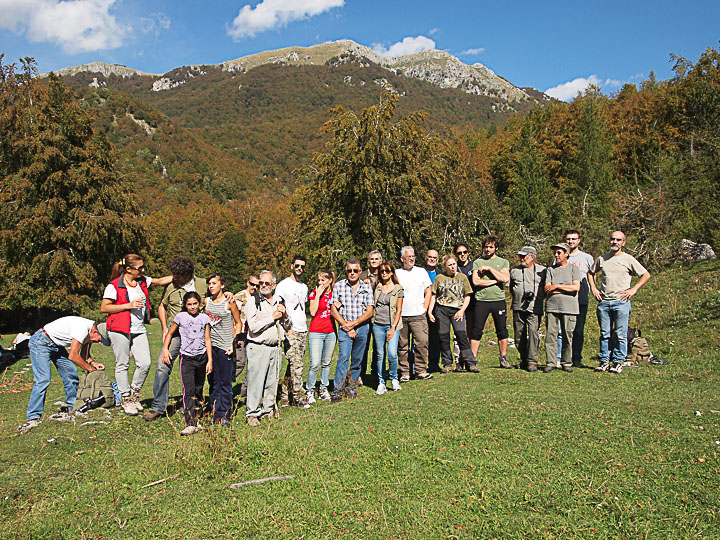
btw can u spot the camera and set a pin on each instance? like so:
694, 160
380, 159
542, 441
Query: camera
528, 296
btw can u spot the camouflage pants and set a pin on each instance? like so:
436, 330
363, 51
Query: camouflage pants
295, 343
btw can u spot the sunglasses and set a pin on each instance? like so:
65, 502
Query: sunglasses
251, 284
431, 258
558, 251
138, 268
385, 271
464, 252
302, 266
262, 283
352, 271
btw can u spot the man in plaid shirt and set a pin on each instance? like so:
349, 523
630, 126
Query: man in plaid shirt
352, 309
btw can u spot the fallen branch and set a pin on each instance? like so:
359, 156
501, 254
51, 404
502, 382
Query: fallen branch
156, 482
261, 481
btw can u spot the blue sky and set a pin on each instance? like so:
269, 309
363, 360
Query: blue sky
558, 45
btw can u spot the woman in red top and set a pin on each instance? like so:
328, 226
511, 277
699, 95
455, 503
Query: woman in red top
322, 337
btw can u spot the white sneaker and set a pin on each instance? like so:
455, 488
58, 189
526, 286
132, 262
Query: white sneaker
310, 396
617, 368
324, 394
128, 406
396, 385
381, 389
27, 426
189, 430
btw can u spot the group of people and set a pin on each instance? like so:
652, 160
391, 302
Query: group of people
406, 311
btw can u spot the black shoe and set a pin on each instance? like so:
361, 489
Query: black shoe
458, 369
336, 397
579, 365
548, 369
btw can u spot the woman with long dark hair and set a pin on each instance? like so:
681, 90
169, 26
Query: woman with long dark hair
387, 322
126, 300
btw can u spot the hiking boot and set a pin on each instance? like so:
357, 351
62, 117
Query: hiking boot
135, 396
579, 365
567, 369
189, 430
617, 368
458, 369
504, 362
395, 384
381, 389
532, 368
473, 369
301, 403
151, 415
324, 395
405, 378
27, 426
424, 376
128, 406
284, 402
336, 397
350, 391
310, 397
604, 366
252, 421
444, 370
549, 369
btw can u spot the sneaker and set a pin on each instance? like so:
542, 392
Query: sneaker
284, 402
135, 395
310, 398
617, 368
405, 378
128, 406
604, 366
151, 415
381, 389
359, 381
504, 362
189, 430
301, 403
395, 385
252, 421
548, 369
532, 368
424, 376
458, 369
27, 426
567, 369
473, 369
336, 397
324, 395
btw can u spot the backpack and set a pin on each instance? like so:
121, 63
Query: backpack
92, 385
638, 348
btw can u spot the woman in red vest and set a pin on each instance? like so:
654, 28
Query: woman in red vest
126, 301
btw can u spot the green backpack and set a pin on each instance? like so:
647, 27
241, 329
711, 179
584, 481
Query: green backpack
92, 384
638, 350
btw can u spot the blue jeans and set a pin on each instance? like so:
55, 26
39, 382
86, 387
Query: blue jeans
379, 335
322, 346
44, 352
613, 315
350, 349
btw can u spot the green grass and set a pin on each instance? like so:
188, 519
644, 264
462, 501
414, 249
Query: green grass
502, 454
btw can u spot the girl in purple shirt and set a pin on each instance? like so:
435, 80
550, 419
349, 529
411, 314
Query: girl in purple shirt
195, 357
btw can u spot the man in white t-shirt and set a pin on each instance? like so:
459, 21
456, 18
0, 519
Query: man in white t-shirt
613, 310
49, 346
417, 287
294, 293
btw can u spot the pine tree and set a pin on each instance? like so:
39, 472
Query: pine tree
66, 216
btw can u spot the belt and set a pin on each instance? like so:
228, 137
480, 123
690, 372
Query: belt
48, 336
264, 344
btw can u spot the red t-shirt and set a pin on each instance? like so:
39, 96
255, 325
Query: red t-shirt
322, 322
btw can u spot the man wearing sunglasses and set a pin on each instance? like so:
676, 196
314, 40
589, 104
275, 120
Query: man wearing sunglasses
353, 308
241, 298
294, 293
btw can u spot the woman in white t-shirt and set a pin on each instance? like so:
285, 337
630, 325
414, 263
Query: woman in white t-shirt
127, 303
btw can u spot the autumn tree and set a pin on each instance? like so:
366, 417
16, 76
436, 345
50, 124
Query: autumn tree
66, 215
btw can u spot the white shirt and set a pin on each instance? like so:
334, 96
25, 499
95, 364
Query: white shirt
137, 315
63, 330
295, 295
414, 283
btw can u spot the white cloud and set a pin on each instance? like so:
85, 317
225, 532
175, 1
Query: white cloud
75, 25
473, 52
276, 13
155, 22
408, 45
569, 90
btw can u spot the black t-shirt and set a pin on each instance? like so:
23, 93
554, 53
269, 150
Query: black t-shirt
468, 271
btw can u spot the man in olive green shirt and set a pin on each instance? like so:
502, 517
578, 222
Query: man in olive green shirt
490, 274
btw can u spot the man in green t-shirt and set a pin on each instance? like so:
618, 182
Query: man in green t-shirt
490, 274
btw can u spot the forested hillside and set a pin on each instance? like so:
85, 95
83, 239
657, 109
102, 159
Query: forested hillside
239, 170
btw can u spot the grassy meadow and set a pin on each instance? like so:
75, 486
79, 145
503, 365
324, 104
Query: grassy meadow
500, 454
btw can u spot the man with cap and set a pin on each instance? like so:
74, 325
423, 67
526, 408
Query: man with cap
527, 281
562, 284
48, 346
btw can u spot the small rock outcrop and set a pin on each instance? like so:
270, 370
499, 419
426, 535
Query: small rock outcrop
692, 251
